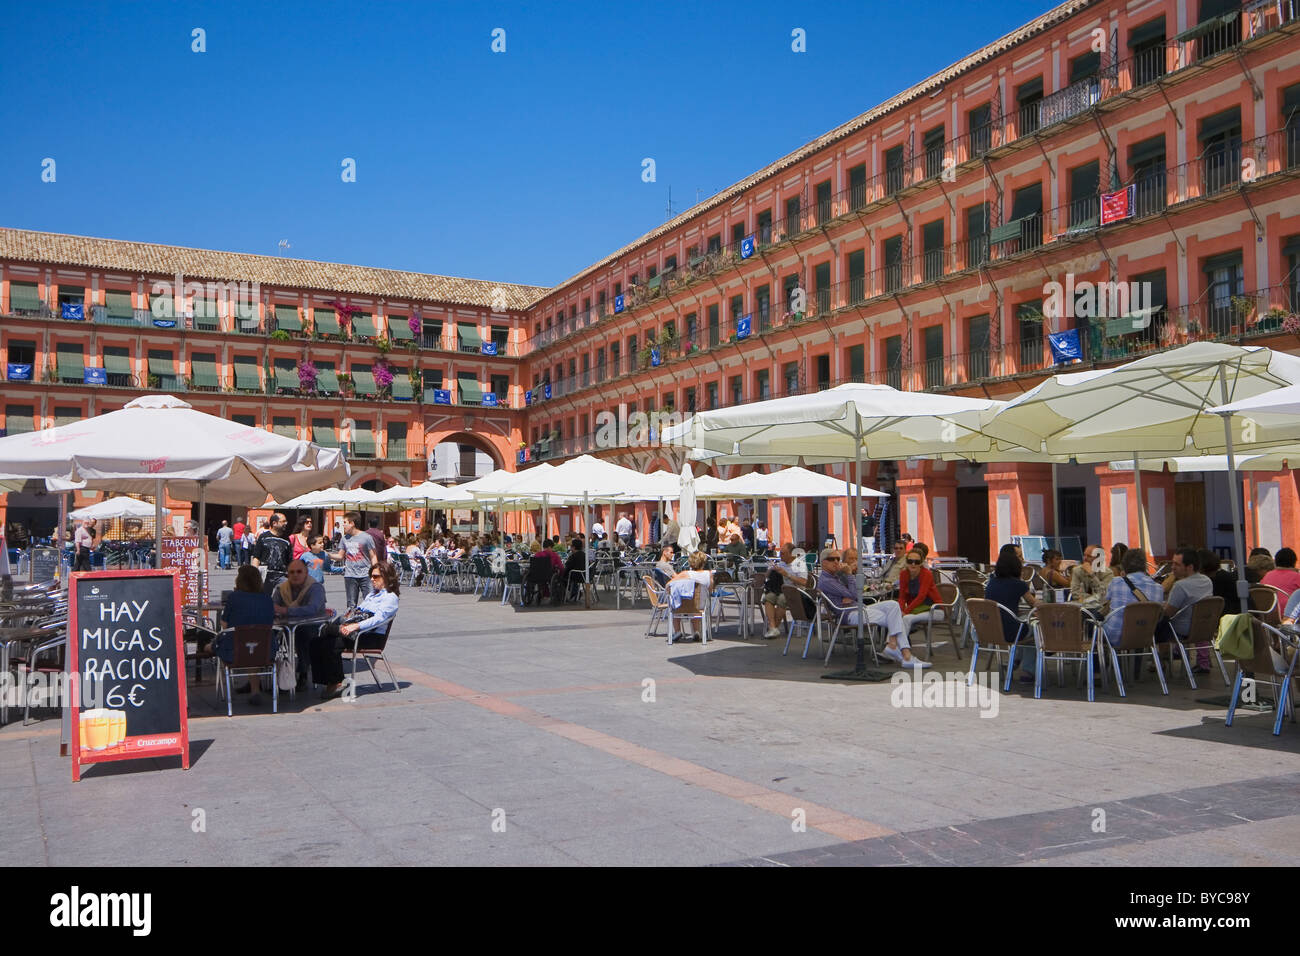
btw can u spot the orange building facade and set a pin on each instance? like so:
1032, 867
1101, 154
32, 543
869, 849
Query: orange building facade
1148, 148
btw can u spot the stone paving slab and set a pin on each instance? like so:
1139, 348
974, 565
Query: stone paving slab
539, 714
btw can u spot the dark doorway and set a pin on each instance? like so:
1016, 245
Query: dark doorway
1074, 513
973, 524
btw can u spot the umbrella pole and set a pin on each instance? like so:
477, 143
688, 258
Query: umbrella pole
1142, 511
1056, 508
1234, 492
586, 552
157, 523
857, 473
203, 541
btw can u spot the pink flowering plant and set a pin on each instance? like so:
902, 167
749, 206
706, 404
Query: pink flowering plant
415, 324
383, 374
307, 374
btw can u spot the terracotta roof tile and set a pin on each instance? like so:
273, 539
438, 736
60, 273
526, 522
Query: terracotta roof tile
271, 271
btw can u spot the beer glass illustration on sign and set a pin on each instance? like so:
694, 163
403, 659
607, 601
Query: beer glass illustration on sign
102, 729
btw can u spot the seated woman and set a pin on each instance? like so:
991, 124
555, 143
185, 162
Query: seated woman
244, 606
917, 593
1053, 574
371, 616
683, 585
575, 566
1007, 588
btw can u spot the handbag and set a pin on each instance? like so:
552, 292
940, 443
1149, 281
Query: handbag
284, 674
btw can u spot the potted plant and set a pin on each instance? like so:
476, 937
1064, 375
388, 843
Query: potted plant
1241, 307
154, 381
345, 383
281, 335
1271, 321
383, 345
383, 373
307, 376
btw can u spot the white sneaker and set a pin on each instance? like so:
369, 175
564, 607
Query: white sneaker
773, 632
916, 662
894, 654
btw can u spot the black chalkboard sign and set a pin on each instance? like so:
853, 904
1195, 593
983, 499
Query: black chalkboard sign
126, 655
43, 563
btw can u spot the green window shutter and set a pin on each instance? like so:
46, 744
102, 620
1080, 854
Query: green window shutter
66, 416
1004, 233
203, 369
322, 433
246, 377
364, 324
71, 365
1292, 246
1291, 102
1220, 123
119, 304
402, 385
327, 381
468, 390
287, 377
363, 382
468, 337
286, 317
399, 328
20, 419
286, 427
363, 441
117, 361
162, 364
327, 321
23, 297
162, 306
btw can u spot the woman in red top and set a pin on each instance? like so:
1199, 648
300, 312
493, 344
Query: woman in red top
917, 592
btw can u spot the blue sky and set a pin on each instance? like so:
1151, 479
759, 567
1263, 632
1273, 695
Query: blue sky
520, 166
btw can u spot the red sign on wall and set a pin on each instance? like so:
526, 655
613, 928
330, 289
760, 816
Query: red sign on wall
1118, 205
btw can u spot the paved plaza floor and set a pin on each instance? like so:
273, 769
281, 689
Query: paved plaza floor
566, 736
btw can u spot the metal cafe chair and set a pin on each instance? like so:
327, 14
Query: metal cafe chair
253, 655
1137, 639
694, 608
986, 620
369, 654
1270, 665
799, 617
1065, 632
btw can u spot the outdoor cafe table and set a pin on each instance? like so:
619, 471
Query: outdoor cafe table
633, 572
740, 589
289, 626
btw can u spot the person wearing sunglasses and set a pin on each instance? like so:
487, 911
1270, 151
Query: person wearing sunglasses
370, 617
917, 595
841, 591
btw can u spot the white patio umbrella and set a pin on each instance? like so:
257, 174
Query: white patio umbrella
1157, 406
1271, 416
491, 486
116, 507
159, 442
688, 538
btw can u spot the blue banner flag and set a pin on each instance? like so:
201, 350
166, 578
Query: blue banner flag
546, 390
489, 399
95, 376
164, 323
528, 397
1065, 347
19, 372
442, 396
746, 247
489, 348
618, 303
74, 310
654, 357
744, 326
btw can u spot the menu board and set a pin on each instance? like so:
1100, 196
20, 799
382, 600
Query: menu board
43, 564
126, 655
186, 555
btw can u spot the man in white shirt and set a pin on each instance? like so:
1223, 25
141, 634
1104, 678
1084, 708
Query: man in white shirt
83, 541
624, 529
